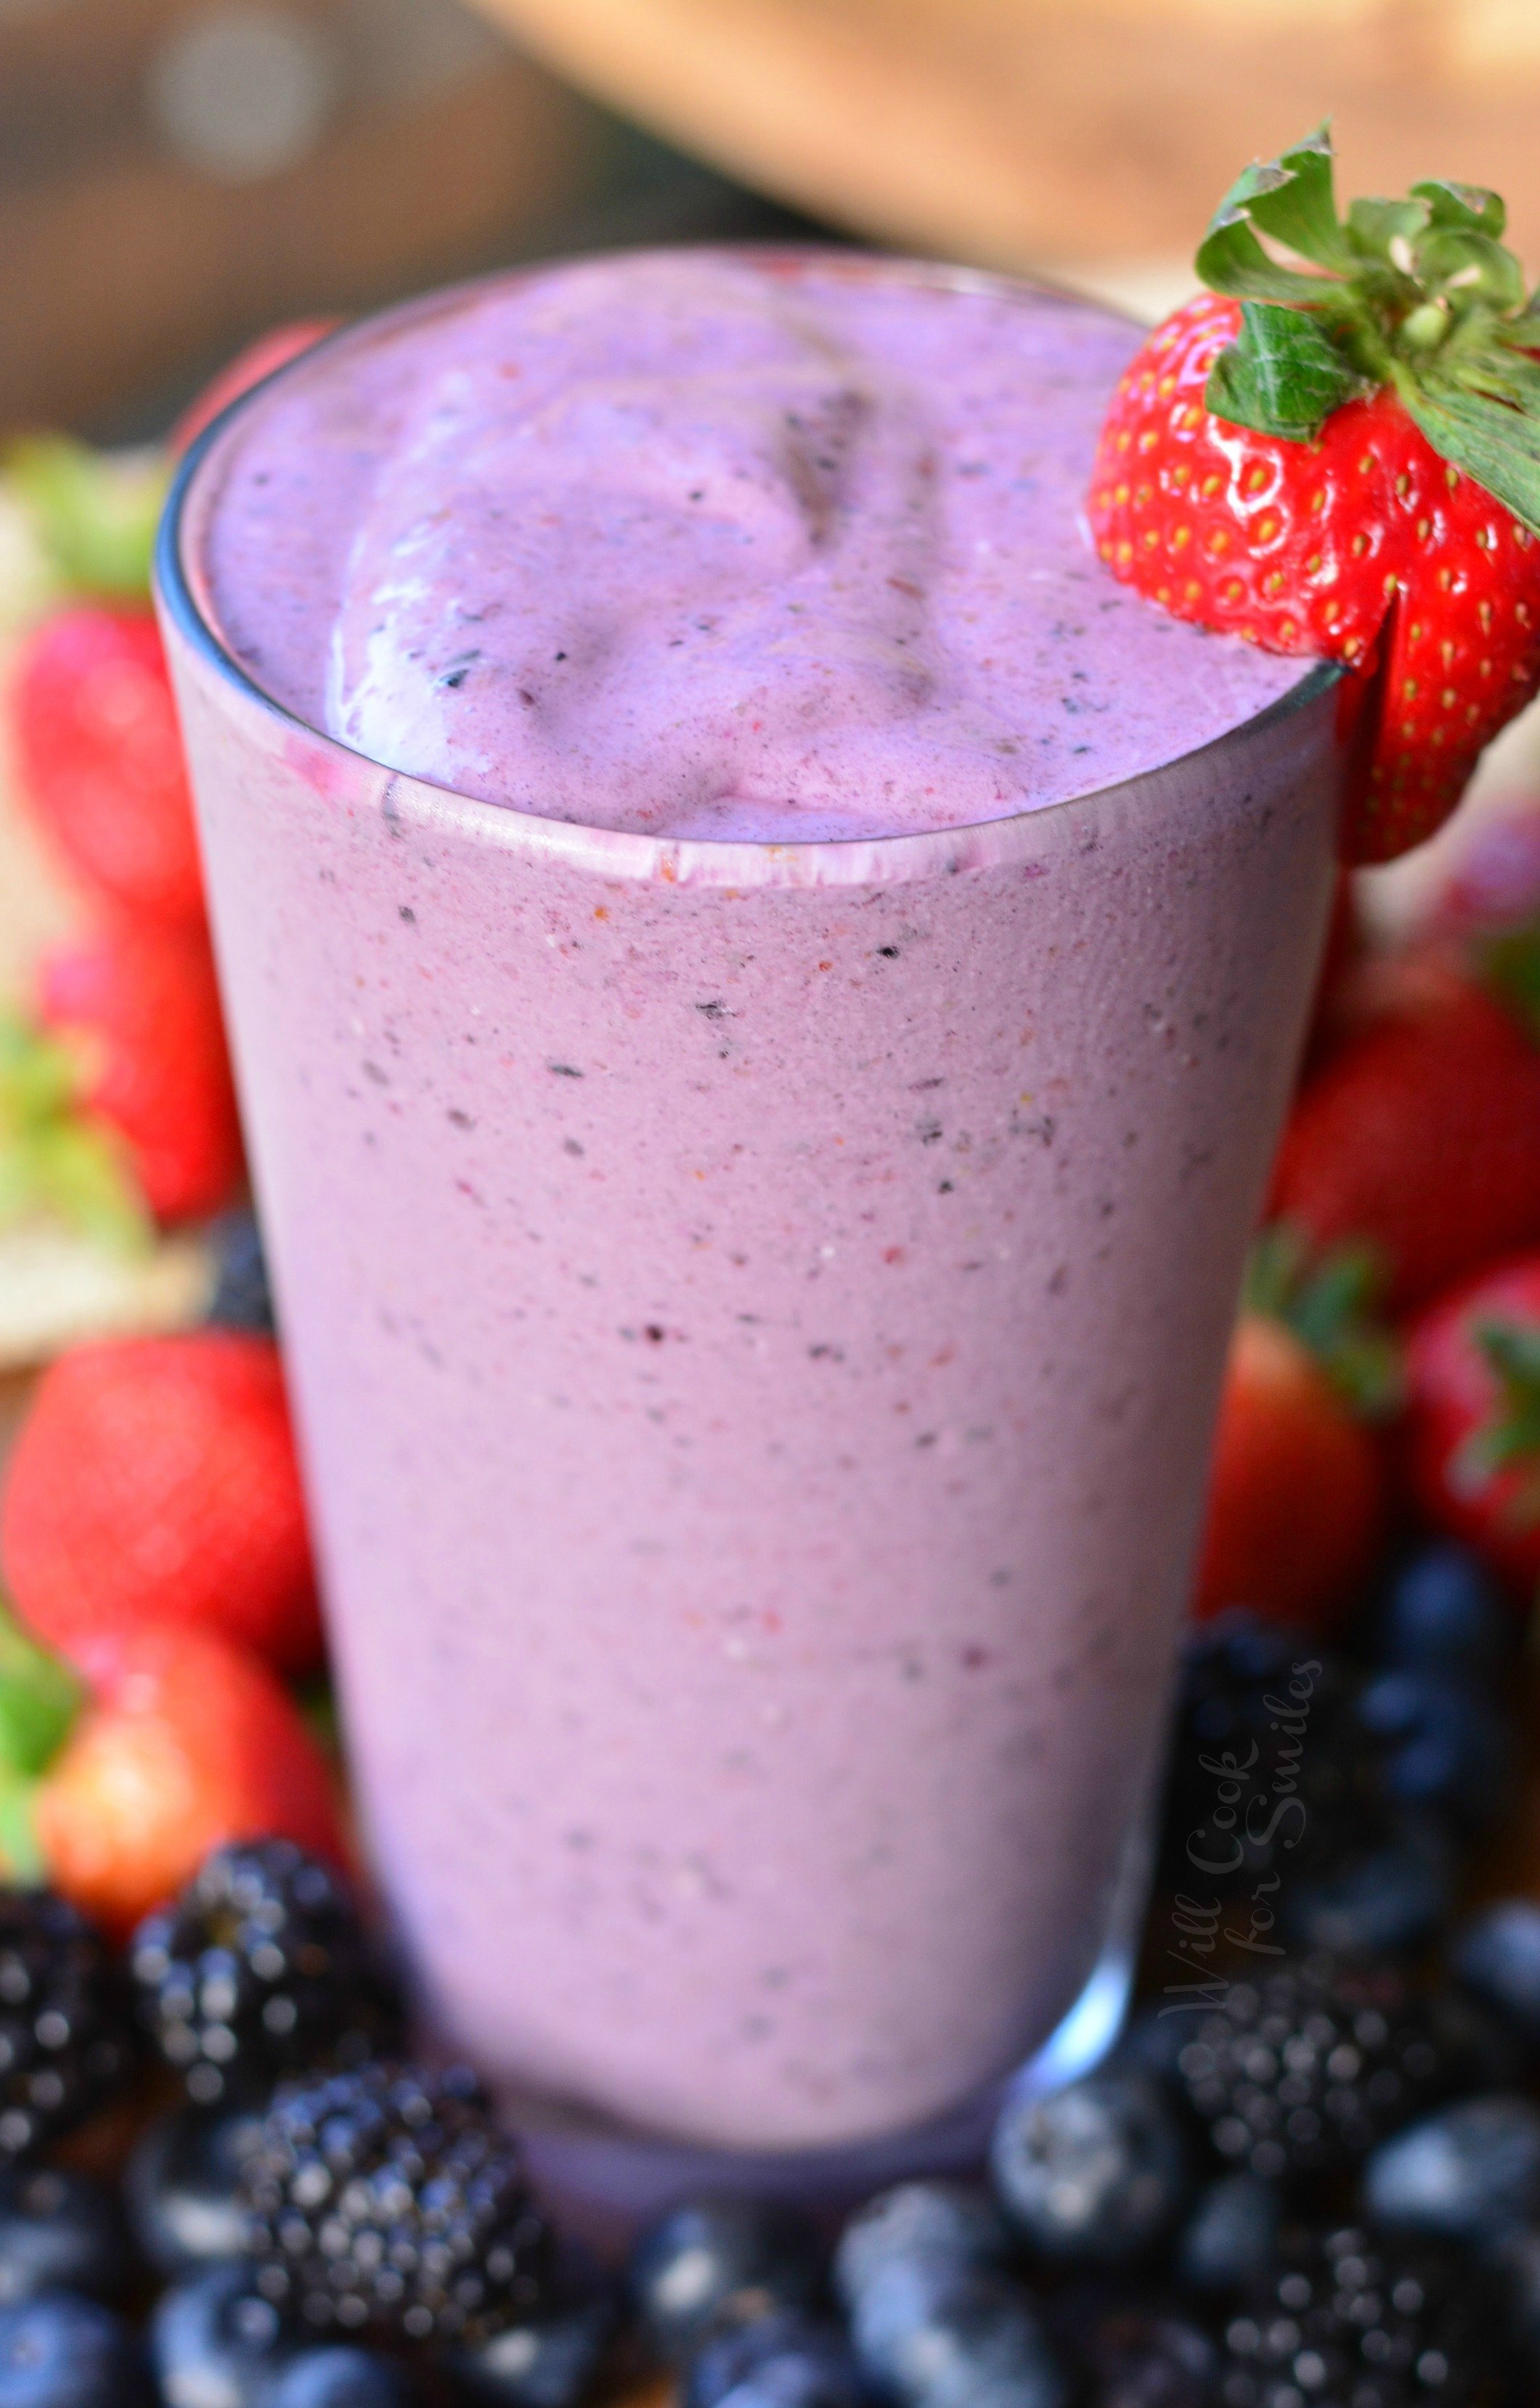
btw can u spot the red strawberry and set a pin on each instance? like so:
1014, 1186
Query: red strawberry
1343, 463
155, 1482
259, 359
1298, 1488
187, 1742
101, 758
1420, 1134
1473, 1422
141, 1005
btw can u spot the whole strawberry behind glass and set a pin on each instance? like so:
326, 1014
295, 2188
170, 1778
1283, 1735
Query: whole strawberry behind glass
759, 1221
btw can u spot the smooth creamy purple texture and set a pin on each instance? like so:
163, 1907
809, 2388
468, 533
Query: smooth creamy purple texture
684, 544
755, 1313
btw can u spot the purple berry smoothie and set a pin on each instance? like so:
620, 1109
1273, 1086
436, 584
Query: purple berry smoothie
756, 1196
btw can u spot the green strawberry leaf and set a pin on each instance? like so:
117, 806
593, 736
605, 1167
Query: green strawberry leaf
1231, 260
1420, 293
1509, 965
96, 515
57, 1159
1479, 270
1489, 438
317, 1702
1284, 376
39, 1700
1373, 226
20, 1857
84, 1178
1329, 1302
38, 1075
1510, 1441
1293, 199
1463, 207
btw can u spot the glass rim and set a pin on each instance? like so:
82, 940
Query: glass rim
181, 595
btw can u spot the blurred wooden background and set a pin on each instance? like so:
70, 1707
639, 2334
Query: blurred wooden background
175, 174
1059, 130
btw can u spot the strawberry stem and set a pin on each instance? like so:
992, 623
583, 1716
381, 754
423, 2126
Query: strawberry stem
1420, 294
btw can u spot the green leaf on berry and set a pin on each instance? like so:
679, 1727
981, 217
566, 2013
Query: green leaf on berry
1464, 207
1331, 1303
39, 1700
1284, 377
1510, 1441
1420, 294
1481, 431
1509, 965
20, 1857
95, 513
57, 1161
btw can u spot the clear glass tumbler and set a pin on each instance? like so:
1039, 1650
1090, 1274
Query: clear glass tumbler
755, 1315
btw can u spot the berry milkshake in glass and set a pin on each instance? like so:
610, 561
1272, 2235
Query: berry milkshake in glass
764, 984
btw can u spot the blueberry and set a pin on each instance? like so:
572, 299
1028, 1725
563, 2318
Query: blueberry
930, 2334
781, 2361
1445, 1615
1150, 2357
1229, 2236
722, 2259
552, 2360
215, 2343
241, 1298
1446, 1746
1468, 2173
1496, 1955
1094, 2173
1393, 1898
61, 2233
68, 2352
340, 2376
180, 2190
959, 2222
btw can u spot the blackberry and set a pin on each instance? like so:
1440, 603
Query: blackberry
260, 1968
1305, 2070
1270, 1767
1345, 2320
66, 2030
384, 2202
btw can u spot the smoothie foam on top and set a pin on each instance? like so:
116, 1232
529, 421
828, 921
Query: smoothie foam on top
714, 545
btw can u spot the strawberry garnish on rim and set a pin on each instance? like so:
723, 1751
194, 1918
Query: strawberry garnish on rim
1336, 451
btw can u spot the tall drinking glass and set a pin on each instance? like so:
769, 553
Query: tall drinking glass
755, 1313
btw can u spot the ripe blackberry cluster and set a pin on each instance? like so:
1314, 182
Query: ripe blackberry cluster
260, 1967
386, 2203
1303, 2071
1346, 2319
1308, 1787
67, 2032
